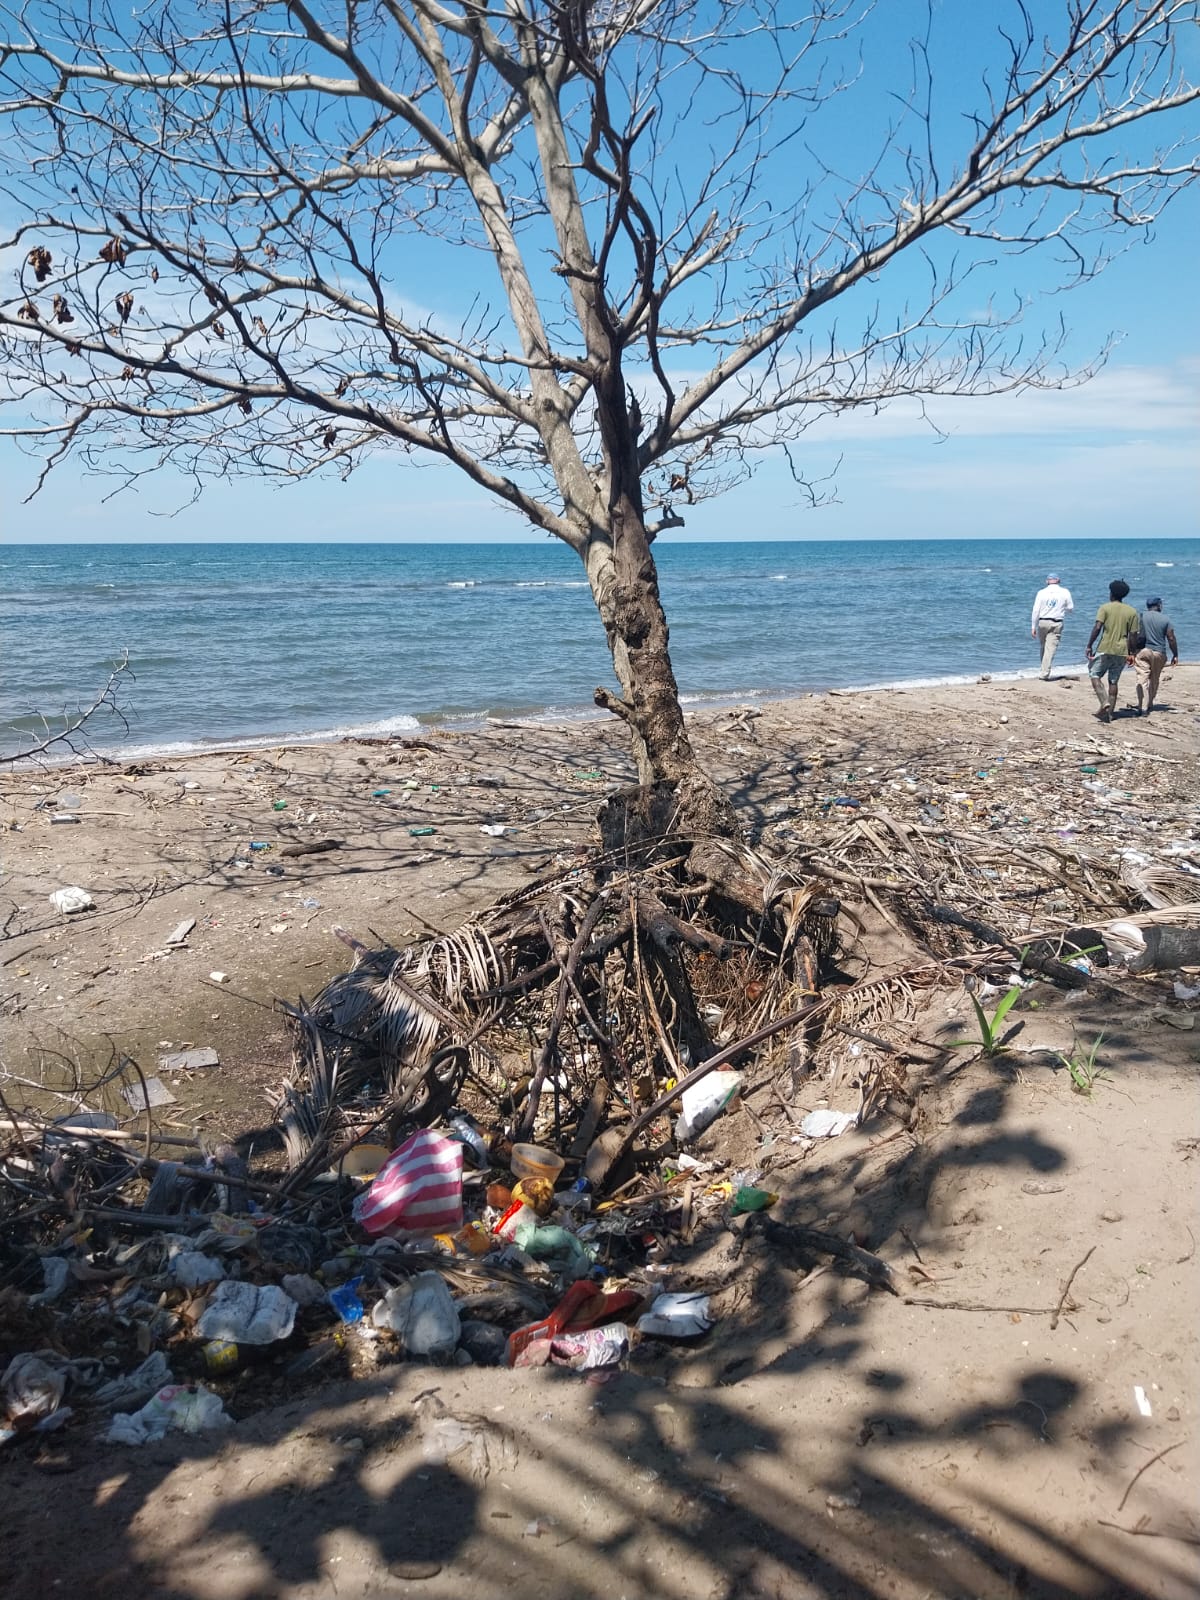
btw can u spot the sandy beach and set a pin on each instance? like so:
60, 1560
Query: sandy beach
211, 840
1012, 1420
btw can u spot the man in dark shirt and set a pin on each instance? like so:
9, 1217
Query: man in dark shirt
1152, 657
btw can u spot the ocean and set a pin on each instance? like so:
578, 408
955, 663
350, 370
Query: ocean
237, 643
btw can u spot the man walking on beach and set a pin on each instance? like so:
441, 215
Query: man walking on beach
1115, 621
1157, 634
1050, 606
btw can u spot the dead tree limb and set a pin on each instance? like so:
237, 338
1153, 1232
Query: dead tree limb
74, 724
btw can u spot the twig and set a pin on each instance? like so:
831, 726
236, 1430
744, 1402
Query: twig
1067, 1290
1145, 1467
1150, 1533
106, 697
549, 1047
976, 1305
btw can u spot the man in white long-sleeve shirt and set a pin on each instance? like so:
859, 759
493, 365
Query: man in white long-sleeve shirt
1050, 606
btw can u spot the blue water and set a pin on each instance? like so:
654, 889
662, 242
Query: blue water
237, 642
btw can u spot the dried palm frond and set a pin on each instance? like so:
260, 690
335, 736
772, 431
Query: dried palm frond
458, 967
1159, 887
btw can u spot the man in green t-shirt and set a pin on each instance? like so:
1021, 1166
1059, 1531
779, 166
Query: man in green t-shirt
1115, 621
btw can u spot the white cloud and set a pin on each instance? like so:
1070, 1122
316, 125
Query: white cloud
1130, 401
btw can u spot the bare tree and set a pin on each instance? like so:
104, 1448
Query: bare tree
226, 211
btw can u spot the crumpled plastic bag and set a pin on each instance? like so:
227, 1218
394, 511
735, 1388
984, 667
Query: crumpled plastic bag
827, 1124
421, 1311
193, 1269
591, 1348
417, 1190
189, 1408
304, 1289
479, 1444
704, 1102
248, 1313
136, 1387
56, 1272
677, 1316
71, 899
31, 1389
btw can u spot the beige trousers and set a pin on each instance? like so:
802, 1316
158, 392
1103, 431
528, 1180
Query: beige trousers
1148, 665
1049, 637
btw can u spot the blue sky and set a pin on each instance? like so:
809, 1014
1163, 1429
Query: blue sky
1116, 456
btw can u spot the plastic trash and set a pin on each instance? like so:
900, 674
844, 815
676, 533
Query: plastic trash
677, 1316
591, 1348
484, 1343
248, 1313
585, 1305
72, 899
221, 1355
418, 1190
136, 1387
421, 833
467, 1134
193, 1269
492, 829
346, 1303
827, 1124
31, 1389
55, 1273
517, 1216
558, 1247
190, 1060
154, 1094
750, 1199
189, 1408
305, 1291
422, 1313
705, 1101
1182, 992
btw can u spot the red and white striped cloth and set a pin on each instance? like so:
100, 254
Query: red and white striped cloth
417, 1190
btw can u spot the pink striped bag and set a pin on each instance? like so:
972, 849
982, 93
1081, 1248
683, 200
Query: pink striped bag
417, 1190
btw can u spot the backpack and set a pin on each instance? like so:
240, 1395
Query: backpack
1137, 637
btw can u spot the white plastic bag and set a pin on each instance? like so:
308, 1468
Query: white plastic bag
246, 1313
72, 899
422, 1312
31, 1388
705, 1101
190, 1408
677, 1316
193, 1269
136, 1387
826, 1124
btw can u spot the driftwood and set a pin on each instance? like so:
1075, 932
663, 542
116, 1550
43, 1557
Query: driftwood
313, 847
792, 1236
1037, 960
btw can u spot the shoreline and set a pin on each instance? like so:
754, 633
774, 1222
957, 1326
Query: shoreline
403, 726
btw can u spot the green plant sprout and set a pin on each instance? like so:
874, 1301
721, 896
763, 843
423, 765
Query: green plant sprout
991, 1038
1083, 1070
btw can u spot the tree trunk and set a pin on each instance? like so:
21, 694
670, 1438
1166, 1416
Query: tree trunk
624, 584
